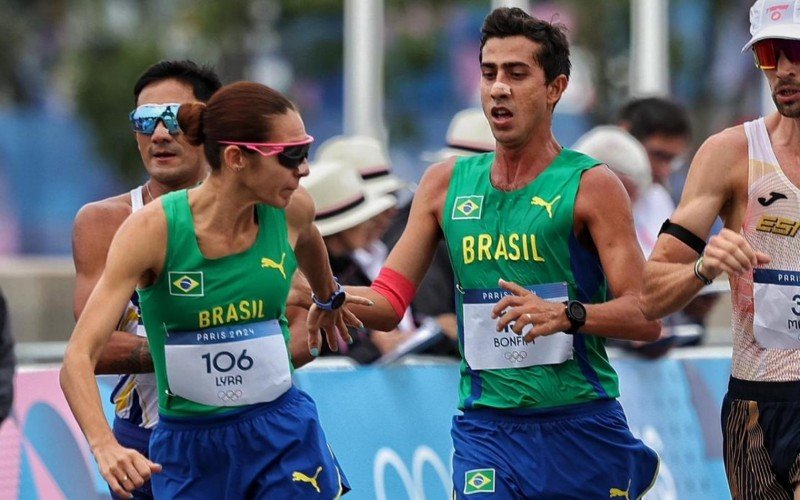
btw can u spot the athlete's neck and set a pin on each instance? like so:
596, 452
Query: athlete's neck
154, 188
217, 208
515, 167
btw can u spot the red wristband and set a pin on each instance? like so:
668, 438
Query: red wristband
397, 289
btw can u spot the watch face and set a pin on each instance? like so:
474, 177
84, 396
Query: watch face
338, 299
577, 311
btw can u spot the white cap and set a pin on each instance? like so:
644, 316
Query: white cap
469, 133
341, 198
366, 156
774, 19
619, 150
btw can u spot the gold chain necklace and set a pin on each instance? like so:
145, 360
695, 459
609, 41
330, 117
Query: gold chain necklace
147, 188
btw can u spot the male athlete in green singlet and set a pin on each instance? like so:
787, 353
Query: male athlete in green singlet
528, 228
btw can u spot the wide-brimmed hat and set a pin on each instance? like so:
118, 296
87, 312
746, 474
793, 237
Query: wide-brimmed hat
774, 19
341, 198
366, 156
469, 133
619, 150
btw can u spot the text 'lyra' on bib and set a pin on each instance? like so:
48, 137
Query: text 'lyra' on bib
230, 365
487, 349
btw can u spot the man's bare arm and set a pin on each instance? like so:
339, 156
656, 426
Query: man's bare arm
136, 250
412, 254
94, 228
716, 185
605, 207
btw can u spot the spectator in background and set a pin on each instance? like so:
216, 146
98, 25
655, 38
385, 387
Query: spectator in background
663, 128
7, 362
367, 157
623, 154
346, 214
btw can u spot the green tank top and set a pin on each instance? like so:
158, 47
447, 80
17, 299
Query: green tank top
525, 236
217, 328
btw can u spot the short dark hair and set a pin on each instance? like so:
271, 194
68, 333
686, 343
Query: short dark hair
655, 115
203, 80
553, 57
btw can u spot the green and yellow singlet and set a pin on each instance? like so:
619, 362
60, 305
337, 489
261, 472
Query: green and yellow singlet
217, 327
525, 236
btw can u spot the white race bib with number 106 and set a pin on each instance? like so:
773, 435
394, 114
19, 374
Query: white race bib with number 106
776, 304
487, 349
230, 365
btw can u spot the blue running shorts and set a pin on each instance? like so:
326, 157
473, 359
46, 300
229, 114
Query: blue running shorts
579, 451
271, 450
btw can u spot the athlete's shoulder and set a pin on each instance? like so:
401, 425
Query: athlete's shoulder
434, 184
102, 216
438, 175
720, 164
726, 146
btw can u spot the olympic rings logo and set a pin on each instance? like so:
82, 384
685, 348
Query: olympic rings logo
413, 480
229, 395
515, 356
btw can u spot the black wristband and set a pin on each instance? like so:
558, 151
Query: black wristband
690, 239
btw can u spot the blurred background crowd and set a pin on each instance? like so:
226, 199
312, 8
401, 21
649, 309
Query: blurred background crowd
67, 66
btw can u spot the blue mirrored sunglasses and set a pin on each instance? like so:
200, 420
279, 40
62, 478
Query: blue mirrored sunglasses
145, 118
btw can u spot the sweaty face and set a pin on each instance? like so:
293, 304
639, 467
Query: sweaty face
170, 159
515, 98
785, 84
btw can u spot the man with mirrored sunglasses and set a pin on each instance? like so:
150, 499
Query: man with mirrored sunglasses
145, 118
748, 175
171, 164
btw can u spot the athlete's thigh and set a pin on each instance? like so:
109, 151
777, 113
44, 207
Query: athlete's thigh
481, 468
305, 465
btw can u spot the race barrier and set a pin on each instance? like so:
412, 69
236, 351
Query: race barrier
390, 428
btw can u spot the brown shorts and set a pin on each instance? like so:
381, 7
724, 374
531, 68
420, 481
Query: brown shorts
761, 439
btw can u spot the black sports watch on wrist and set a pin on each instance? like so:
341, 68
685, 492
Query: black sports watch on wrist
576, 314
335, 302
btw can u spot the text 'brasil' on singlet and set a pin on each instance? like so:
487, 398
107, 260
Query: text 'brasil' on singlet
525, 236
217, 327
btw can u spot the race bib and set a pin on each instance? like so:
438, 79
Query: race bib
776, 304
487, 349
228, 366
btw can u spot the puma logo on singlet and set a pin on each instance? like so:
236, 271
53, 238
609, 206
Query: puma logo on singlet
539, 202
299, 476
773, 197
267, 262
618, 493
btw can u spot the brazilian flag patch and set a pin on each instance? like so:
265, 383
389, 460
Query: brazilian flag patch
467, 207
186, 284
479, 481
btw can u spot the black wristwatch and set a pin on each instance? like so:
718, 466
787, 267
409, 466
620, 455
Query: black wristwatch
576, 314
335, 302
